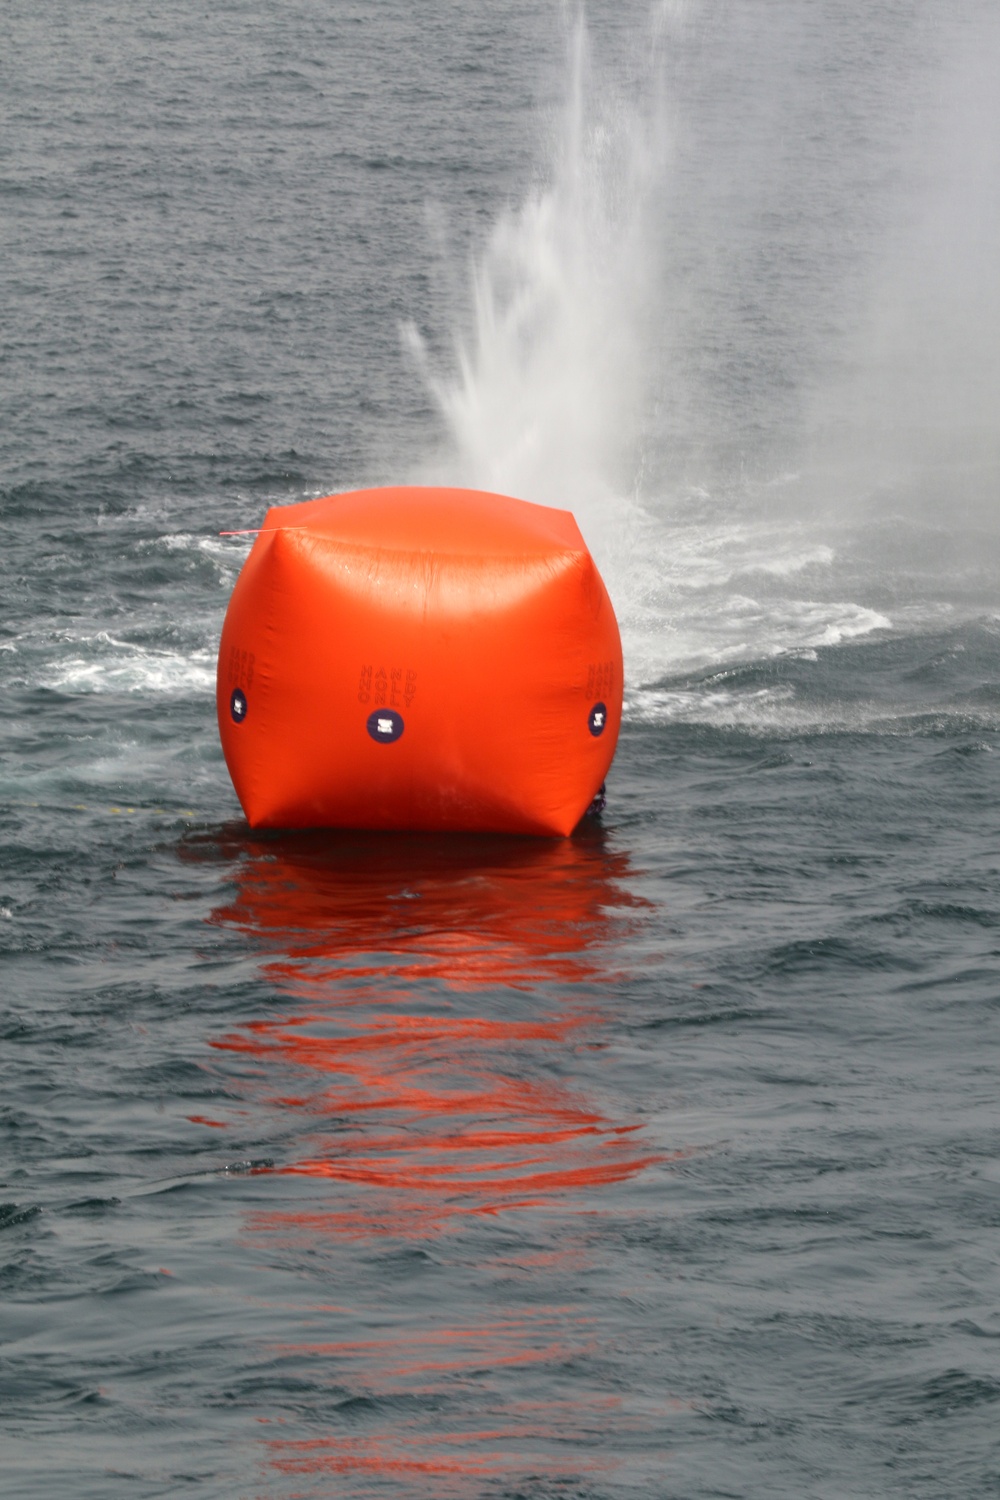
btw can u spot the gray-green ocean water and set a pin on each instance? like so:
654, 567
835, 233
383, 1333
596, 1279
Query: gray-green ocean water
657, 1162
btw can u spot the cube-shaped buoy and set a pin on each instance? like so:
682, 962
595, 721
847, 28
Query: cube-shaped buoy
419, 658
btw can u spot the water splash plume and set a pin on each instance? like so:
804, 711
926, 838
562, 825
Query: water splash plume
744, 327
546, 395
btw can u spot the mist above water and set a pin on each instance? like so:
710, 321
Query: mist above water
745, 325
914, 414
545, 400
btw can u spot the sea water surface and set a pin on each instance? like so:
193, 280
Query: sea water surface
661, 1161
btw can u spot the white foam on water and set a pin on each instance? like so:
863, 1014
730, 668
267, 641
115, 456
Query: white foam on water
104, 664
742, 630
714, 704
227, 550
691, 595
225, 554
95, 660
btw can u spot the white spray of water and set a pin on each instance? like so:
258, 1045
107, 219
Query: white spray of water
548, 391
652, 329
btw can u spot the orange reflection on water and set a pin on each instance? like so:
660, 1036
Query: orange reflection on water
434, 1112
416, 1457
466, 1105
500, 1438
441, 1066
469, 911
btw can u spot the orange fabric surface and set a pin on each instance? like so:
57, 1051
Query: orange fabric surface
419, 658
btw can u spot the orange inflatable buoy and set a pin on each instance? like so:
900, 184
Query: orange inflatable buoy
419, 658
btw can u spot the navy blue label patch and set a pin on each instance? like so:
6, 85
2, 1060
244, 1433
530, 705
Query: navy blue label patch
598, 718
238, 705
385, 725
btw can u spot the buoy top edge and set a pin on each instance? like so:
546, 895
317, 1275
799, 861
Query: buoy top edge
445, 520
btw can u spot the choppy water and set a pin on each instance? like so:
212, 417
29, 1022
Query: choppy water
662, 1161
